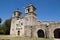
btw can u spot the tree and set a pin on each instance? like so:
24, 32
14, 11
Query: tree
0, 20
7, 24
5, 29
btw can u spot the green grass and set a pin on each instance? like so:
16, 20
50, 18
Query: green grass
20, 38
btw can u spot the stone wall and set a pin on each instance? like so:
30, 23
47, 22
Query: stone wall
52, 28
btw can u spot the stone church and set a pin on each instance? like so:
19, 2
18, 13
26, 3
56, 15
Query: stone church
29, 26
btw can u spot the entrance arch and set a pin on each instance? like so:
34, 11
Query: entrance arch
18, 32
57, 33
40, 33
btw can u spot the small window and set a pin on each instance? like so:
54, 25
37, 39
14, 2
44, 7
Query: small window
12, 29
16, 24
31, 26
46, 26
21, 23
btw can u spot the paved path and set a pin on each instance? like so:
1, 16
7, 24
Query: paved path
56, 39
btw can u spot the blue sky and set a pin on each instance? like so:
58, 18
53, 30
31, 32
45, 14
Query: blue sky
47, 10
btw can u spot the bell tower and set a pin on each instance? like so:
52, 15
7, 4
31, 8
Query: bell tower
30, 13
30, 9
16, 16
30, 17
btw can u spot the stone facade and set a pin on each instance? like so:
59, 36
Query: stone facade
29, 26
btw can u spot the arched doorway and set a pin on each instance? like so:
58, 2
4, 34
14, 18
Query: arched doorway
57, 33
18, 32
40, 34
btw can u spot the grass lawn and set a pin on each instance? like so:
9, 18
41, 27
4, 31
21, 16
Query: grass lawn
20, 38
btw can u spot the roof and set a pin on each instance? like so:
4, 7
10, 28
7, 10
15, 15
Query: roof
30, 6
17, 10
